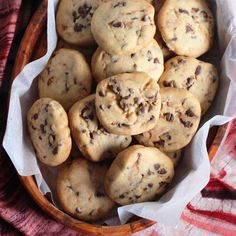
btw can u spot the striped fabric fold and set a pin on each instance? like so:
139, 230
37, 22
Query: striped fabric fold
8, 18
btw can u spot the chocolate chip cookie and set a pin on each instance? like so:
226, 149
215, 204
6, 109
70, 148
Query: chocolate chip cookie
198, 77
179, 119
73, 20
187, 27
138, 174
91, 138
123, 26
149, 60
49, 131
128, 103
80, 190
66, 78
175, 157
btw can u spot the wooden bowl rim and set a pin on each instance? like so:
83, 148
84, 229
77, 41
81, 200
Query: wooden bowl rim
25, 52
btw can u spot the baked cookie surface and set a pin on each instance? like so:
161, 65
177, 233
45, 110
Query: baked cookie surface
138, 174
187, 27
80, 190
128, 103
121, 26
90, 136
149, 60
49, 131
179, 119
66, 78
198, 77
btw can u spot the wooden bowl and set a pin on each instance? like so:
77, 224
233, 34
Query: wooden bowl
33, 45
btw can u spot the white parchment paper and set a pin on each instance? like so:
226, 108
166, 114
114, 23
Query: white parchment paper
193, 172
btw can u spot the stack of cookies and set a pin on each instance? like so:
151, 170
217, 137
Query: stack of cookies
126, 92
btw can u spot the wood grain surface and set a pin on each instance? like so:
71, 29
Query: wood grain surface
33, 46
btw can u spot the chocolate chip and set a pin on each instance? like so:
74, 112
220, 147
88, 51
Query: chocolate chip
135, 66
174, 39
168, 83
188, 28
138, 33
126, 97
84, 10
214, 79
78, 27
42, 128
117, 24
150, 185
83, 112
132, 55
136, 99
157, 166
204, 14
145, 18
163, 183
74, 14
194, 9
120, 125
181, 61
50, 80
77, 194
169, 117
160, 143
55, 150
101, 94
40, 137
152, 118
118, 89
35, 116
165, 136
189, 83
91, 212
109, 106
186, 124
189, 113
150, 108
34, 128
198, 70
122, 196
46, 107
100, 107
183, 11
156, 60
162, 171
149, 55
48, 70
145, 189
137, 196
120, 4
141, 109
